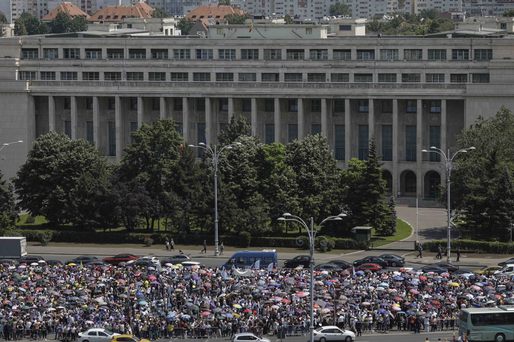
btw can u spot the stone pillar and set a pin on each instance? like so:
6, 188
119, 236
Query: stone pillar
254, 119
301, 119
230, 108
276, 119
162, 108
419, 147
347, 131
51, 114
444, 141
324, 118
208, 121
73, 115
119, 126
140, 111
96, 122
185, 118
371, 118
395, 176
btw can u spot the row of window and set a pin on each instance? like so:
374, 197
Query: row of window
267, 54
252, 77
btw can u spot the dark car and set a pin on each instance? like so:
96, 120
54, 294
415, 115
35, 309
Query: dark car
94, 263
448, 266
29, 259
299, 260
341, 263
369, 266
371, 260
119, 258
175, 259
84, 259
327, 267
506, 262
433, 268
8, 262
54, 262
393, 260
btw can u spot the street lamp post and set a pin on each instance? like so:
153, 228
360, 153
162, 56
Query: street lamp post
215, 155
448, 158
4, 145
311, 232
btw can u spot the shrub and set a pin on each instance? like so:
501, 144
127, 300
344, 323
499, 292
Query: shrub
30, 219
245, 238
45, 237
324, 243
148, 241
472, 246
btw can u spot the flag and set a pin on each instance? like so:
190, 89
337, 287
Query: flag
270, 267
224, 274
353, 270
257, 264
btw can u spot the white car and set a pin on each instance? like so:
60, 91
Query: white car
333, 333
248, 337
96, 335
507, 270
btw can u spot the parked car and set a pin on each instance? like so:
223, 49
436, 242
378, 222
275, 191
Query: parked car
146, 261
128, 338
433, 269
97, 263
393, 260
8, 262
371, 260
96, 335
327, 267
54, 262
449, 267
341, 263
84, 259
368, 267
299, 260
175, 259
333, 333
119, 258
489, 270
190, 263
29, 259
506, 270
248, 337
506, 262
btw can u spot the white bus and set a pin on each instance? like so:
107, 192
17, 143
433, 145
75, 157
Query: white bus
487, 324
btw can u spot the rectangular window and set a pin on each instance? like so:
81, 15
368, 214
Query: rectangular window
339, 77
157, 76
413, 54
293, 77
269, 133
159, 53
200, 104
247, 77
89, 103
316, 77
179, 77
435, 106
387, 106
133, 103
389, 54
249, 54
182, 54
387, 78
342, 55
177, 104
200, 133
411, 106
363, 142
66, 104
90, 132
483, 54
318, 54
410, 143
71, 53
295, 54
90, 76
27, 75
480, 78
112, 76
339, 142
458, 78
115, 54
365, 55
224, 77
292, 105
339, 106
272, 54
93, 53
179, 127
435, 140
48, 75
363, 78
460, 54
292, 132
269, 105
227, 54
223, 104
315, 105
135, 76
204, 54
411, 78
315, 128
111, 103
363, 106
246, 105
270, 77
68, 75
345, 27
137, 53
436, 54
132, 129
50, 53
435, 78
29, 54
112, 138
67, 128
201, 76
387, 142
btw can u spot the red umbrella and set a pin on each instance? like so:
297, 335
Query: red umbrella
247, 310
205, 313
285, 301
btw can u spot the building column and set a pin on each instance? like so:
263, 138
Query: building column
51, 114
347, 130
208, 121
162, 108
185, 118
73, 116
140, 111
254, 119
301, 119
230, 112
444, 141
119, 126
324, 118
396, 178
371, 118
276, 119
419, 147
96, 122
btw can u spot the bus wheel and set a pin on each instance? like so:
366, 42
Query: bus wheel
499, 338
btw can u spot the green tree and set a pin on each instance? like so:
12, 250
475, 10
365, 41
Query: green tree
78, 24
288, 19
159, 13
236, 19
185, 25
237, 127
7, 206
3, 18
27, 24
509, 13
340, 8
224, 2
64, 23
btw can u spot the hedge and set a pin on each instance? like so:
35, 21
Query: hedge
473, 246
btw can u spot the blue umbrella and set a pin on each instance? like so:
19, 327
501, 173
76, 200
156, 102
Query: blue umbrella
359, 273
143, 302
398, 278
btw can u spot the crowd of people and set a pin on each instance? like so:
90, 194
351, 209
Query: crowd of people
40, 301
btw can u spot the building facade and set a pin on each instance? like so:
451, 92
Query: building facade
407, 93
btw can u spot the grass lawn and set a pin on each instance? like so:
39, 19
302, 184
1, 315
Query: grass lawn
38, 220
403, 230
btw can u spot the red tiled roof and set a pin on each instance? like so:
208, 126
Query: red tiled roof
213, 11
118, 13
66, 7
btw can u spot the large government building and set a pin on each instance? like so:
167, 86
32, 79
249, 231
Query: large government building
408, 93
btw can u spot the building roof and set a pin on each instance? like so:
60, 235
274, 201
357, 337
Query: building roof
65, 7
213, 11
118, 13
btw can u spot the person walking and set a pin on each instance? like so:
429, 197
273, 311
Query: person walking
172, 244
204, 250
419, 247
458, 253
167, 243
439, 252
222, 247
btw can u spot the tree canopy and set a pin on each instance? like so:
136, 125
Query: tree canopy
159, 13
3, 18
7, 206
185, 25
27, 24
426, 22
64, 23
236, 19
340, 8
